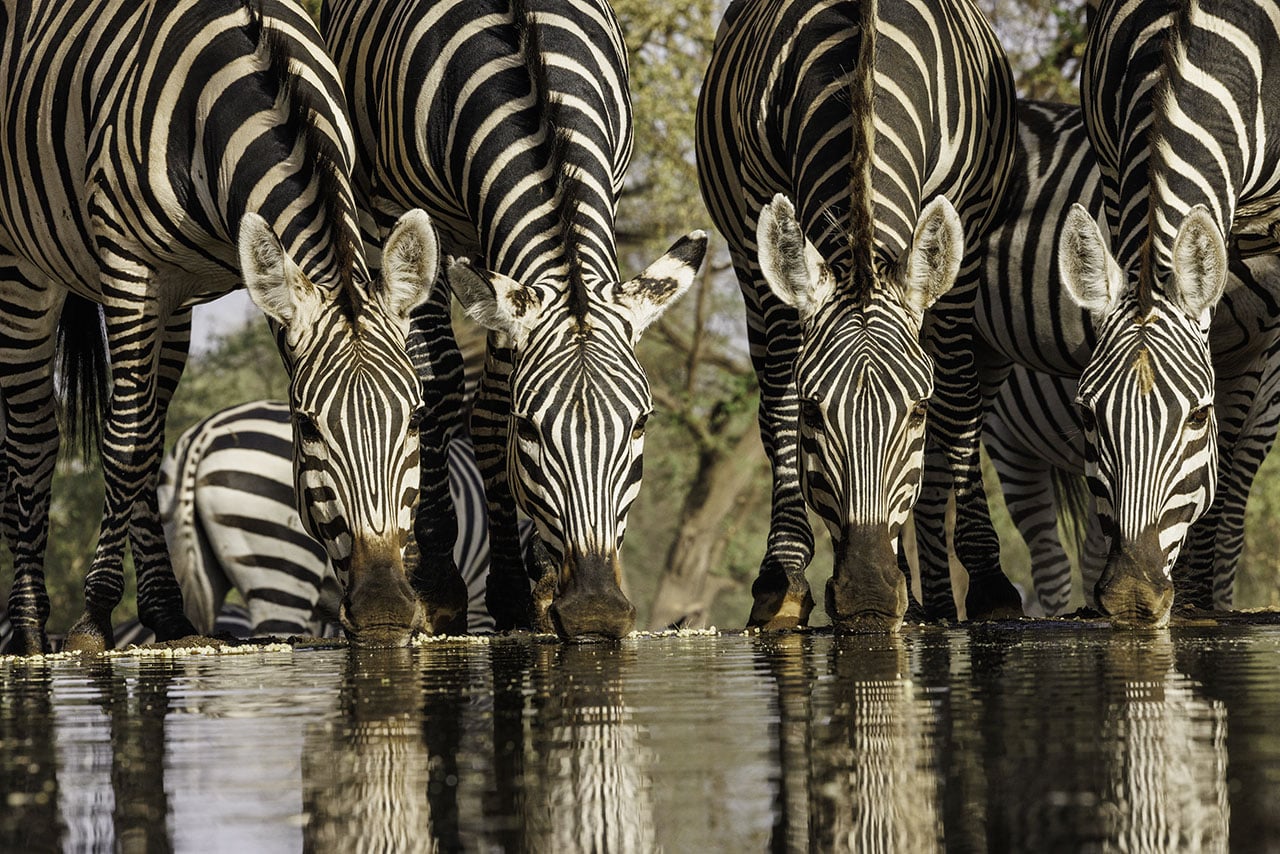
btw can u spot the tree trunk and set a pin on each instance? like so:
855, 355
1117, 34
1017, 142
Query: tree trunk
687, 589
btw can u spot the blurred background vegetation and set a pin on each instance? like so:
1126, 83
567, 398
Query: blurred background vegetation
697, 532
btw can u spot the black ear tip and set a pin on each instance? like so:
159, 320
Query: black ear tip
691, 248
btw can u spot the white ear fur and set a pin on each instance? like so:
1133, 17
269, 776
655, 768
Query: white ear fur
274, 282
663, 282
791, 265
933, 261
1199, 264
495, 301
1089, 271
410, 263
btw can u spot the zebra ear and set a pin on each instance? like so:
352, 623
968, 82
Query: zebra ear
1199, 264
410, 262
933, 261
274, 282
791, 265
664, 281
1089, 272
493, 300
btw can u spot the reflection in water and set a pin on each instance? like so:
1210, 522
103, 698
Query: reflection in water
855, 749
29, 814
1002, 737
367, 777
583, 769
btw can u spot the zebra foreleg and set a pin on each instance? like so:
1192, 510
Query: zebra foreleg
436, 577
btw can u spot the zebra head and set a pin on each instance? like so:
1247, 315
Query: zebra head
356, 405
1146, 399
579, 403
863, 380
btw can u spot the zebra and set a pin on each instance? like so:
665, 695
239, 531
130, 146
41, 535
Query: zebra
896, 166
1027, 314
232, 620
153, 156
1034, 436
1181, 107
226, 499
527, 139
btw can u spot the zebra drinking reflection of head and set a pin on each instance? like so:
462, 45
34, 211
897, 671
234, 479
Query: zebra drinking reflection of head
525, 184
837, 284
1184, 121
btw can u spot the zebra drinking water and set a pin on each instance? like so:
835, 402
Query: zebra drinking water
1182, 106
155, 155
891, 127
511, 124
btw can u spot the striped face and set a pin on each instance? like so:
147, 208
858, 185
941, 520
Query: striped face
1146, 402
356, 405
580, 400
864, 383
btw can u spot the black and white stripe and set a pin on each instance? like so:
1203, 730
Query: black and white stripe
1182, 107
157, 155
891, 129
510, 122
226, 499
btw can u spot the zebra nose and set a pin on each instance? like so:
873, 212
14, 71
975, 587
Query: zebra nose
867, 592
1133, 589
380, 608
590, 601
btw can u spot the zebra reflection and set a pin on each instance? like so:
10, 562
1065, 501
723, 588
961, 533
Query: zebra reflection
578, 755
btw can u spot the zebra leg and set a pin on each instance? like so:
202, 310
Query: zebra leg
132, 445
930, 519
28, 316
959, 402
507, 594
782, 598
436, 577
1027, 481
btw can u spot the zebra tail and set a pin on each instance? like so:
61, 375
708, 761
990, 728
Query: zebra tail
1075, 504
81, 356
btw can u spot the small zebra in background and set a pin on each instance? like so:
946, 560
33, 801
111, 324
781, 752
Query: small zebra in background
1182, 106
510, 122
891, 127
158, 155
226, 498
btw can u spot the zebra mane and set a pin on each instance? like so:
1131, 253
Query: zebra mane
568, 187
861, 229
324, 158
1161, 92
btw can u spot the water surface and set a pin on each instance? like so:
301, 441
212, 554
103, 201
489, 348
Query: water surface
1039, 736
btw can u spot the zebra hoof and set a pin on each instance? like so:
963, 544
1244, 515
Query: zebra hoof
173, 628
992, 599
779, 611
27, 641
89, 634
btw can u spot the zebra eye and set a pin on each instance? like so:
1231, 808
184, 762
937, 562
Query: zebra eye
811, 413
919, 411
1198, 417
306, 426
417, 418
637, 432
526, 430
1086, 418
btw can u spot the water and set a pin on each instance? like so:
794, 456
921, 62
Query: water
1014, 736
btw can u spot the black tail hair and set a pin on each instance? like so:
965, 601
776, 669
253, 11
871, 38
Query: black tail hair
83, 366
